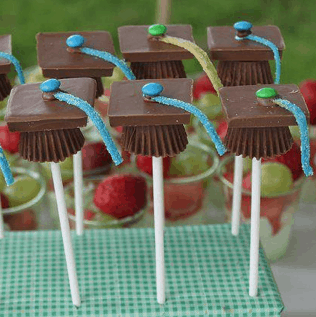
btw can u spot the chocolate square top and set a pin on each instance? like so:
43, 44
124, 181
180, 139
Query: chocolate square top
5, 47
57, 62
243, 111
136, 47
27, 111
128, 108
223, 46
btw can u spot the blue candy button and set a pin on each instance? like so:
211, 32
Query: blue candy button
50, 85
242, 26
75, 40
152, 89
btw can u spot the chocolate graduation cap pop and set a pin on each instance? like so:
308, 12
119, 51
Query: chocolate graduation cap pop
72, 55
265, 108
57, 61
5, 65
139, 103
243, 53
48, 118
150, 58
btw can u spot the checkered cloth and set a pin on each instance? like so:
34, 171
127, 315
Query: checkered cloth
206, 267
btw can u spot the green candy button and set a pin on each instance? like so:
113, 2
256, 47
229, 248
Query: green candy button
157, 29
266, 92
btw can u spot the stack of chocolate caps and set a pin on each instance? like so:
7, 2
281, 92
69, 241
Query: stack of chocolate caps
152, 129
57, 60
153, 59
255, 123
150, 58
247, 63
49, 128
243, 62
5, 66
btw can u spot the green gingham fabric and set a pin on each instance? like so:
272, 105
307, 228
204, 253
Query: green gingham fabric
206, 267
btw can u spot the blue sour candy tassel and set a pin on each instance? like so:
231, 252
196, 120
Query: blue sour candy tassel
302, 124
96, 119
16, 64
200, 115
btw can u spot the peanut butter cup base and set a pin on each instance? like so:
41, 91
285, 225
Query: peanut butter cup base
259, 142
100, 89
236, 73
5, 86
161, 140
158, 70
50, 145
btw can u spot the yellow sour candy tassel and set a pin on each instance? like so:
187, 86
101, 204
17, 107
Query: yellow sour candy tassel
200, 55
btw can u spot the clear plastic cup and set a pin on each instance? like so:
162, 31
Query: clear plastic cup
276, 212
28, 215
186, 197
99, 220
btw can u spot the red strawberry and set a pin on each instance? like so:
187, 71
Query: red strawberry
95, 155
308, 90
246, 182
201, 86
25, 220
222, 129
4, 201
144, 163
292, 159
101, 107
9, 140
119, 129
121, 195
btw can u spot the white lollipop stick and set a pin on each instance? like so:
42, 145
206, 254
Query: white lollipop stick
237, 194
65, 230
78, 192
163, 11
159, 214
1, 222
255, 225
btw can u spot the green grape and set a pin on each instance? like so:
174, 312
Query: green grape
211, 106
22, 190
117, 76
2, 182
276, 179
192, 161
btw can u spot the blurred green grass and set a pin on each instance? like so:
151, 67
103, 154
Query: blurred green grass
23, 19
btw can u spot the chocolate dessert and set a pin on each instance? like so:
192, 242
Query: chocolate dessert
258, 130
150, 128
58, 62
49, 128
247, 63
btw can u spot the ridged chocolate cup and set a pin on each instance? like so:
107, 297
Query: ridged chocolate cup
234, 73
5, 86
50, 145
160, 140
158, 70
259, 142
100, 89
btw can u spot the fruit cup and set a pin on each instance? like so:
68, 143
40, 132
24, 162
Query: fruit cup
95, 161
277, 209
22, 202
94, 217
185, 191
